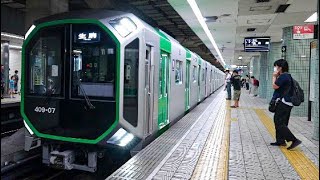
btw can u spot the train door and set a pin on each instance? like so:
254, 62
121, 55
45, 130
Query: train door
148, 88
199, 84
163, 119
187, 84
211, 82
205, 82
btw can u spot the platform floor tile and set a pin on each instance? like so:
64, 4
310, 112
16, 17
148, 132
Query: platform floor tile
174, 154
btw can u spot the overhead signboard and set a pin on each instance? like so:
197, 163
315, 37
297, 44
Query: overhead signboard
303, 32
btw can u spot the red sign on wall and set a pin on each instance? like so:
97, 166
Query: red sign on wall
303, 32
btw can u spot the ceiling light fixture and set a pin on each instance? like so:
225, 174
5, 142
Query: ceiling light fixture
201, 20
240, 57
11, 35
312, 18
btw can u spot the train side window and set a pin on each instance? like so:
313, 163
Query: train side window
178, 72
130, 82
194, 74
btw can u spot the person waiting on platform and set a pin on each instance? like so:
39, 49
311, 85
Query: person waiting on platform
236, 83
228, 84
247, 82
281, 83
255, 84
11, 86
16, 80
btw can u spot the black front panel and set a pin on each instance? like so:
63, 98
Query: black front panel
70, 118
70, 81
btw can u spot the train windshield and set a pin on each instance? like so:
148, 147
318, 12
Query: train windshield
45, 62
73, 60
93, 63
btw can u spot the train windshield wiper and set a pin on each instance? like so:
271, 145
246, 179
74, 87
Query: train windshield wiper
88, 102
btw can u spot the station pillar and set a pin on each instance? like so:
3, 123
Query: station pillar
298, 56
36, 9
315, 103
5, 63
263, 63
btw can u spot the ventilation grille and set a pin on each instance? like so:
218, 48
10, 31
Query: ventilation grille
282, 8
262, 1
251, 29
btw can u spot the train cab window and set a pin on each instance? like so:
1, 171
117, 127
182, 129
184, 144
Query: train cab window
93, 63
130, 82
194, 74
44, 62
202, 76
178, 72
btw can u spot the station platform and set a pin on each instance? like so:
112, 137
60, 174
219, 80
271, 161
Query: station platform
214, 141
11, 102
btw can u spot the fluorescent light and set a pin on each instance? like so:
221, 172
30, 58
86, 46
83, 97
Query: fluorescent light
234, 66
27, 127
240, 57
312, 18
15, 47
29, 31
11, 35
201, 20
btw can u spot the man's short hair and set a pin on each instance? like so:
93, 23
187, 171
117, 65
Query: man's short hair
235, 71
283, 64
252, 77
16, 71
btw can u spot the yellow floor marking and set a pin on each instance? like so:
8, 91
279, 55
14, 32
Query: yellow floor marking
209, 167
305, 168
223, 166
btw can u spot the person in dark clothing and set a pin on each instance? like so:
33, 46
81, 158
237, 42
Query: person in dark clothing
236, 82
281, 83
247, 82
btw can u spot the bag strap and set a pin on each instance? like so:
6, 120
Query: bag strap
288, 89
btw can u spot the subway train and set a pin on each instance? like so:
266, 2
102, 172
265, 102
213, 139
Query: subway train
94, 80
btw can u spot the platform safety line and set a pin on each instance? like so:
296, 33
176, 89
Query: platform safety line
155, 171
223, 168
305, 168
208, 161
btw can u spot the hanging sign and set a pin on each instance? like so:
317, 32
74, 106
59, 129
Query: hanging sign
303, 32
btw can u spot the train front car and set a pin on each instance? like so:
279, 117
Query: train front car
71, 86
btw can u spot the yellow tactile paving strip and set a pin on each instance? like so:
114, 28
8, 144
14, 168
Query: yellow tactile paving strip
214, 159
222, 172
305, 168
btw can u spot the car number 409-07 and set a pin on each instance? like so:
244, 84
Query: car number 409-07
49, 110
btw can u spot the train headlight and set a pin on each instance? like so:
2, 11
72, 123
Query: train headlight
124, 26
29, 31
27, 127
121, 138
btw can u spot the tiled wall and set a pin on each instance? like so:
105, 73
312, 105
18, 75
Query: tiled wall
15, 63
263, 74
256, 67
315, 104
297, 55
274, 54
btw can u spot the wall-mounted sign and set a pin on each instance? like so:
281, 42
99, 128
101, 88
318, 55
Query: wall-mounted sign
87, 37
303, 32
284, 49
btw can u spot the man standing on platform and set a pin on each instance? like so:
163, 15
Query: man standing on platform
282, 85
228, 84
236, 83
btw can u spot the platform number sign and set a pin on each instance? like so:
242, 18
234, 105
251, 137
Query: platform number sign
284, 49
